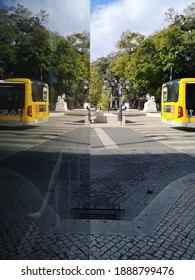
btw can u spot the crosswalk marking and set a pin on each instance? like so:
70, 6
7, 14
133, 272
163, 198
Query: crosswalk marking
106, 140
13, 141
178, 139
185, 147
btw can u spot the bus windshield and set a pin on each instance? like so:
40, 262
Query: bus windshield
12, 99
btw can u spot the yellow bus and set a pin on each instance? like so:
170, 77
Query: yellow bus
23, 102
178, 102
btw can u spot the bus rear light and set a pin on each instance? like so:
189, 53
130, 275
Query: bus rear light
29, 111
180, 112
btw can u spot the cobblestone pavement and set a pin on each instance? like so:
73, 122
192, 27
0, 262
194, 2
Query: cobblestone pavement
127, 178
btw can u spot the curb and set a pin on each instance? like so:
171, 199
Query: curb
155, 114
151, 216
56, 114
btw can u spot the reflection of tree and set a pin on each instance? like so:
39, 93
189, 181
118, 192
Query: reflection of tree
105, 99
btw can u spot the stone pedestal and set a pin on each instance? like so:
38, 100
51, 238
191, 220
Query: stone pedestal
106, 119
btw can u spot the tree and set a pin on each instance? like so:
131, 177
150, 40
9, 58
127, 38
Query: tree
129, 41
149, 63
7, 38
185, 21
105, 99
96, 85
184, 60
80, 43
25, 41
29, 49
101, 76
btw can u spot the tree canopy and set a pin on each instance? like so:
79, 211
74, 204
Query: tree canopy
29, 49
146, 62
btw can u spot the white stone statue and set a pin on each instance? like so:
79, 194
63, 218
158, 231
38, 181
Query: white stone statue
61, 105
150, 105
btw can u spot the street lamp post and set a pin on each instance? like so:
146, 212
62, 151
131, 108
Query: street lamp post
86, 87
120, 115
86, 84
126, 87
116, 87
171, 74
113, 84
51, 87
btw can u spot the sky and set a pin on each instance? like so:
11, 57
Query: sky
104, 19
65, 16
110, 18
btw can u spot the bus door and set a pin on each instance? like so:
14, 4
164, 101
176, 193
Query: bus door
190, 102
40, 100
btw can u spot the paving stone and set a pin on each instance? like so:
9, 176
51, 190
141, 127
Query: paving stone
173, 238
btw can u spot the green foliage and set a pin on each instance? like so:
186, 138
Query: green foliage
96, 86
129, 41
29, 49
147, 61
104, 101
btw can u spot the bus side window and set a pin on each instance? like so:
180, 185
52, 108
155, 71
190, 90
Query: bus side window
45, 94
39, 92
175, 92
165, 94
172, 93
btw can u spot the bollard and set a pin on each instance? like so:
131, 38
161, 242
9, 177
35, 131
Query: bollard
120, 112
89, 114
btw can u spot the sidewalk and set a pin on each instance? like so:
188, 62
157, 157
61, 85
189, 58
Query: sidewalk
172, 238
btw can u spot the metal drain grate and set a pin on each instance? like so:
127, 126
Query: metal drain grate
98, 214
